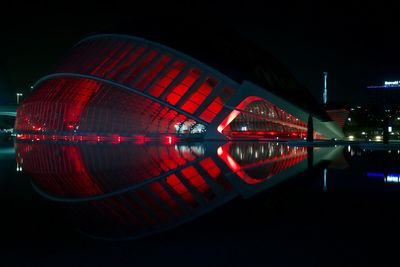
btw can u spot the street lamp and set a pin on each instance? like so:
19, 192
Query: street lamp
18, 95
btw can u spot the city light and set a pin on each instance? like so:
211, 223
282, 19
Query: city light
393, 178
18, 95
19, 168
391, 83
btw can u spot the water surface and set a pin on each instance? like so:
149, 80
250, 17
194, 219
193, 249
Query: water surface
246, 202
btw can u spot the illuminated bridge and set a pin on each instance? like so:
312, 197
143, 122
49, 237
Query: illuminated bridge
124, 86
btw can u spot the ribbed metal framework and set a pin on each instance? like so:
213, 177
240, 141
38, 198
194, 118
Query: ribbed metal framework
79, 105
112, 85
262, 118
153, 90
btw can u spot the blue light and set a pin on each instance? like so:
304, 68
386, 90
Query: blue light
389, 178
375, 174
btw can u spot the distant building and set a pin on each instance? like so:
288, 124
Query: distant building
386, 95
339, 115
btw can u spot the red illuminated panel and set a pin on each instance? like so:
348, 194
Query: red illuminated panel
99, 58
162, 83
127, 62
198, 182
179, 90
216, 105
106, 57
148, 77
199, 96
120, 55
135, 70
212, 110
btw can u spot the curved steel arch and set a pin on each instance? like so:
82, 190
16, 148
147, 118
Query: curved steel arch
166, 48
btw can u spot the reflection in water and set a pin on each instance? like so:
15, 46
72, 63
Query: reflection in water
255, 162
88, 170
131, 190
382, 164
387, 178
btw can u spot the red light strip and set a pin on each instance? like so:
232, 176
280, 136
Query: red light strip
114, 139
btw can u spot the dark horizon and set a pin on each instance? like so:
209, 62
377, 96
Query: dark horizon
355, 43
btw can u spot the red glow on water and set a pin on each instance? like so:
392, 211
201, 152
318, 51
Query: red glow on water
277, 162
115, 139
175, 183
169, 140
215, 172
140, 139
195, 179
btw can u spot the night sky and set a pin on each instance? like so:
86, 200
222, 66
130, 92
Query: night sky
357, 43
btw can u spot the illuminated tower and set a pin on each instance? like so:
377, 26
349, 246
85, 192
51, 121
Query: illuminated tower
325, 95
